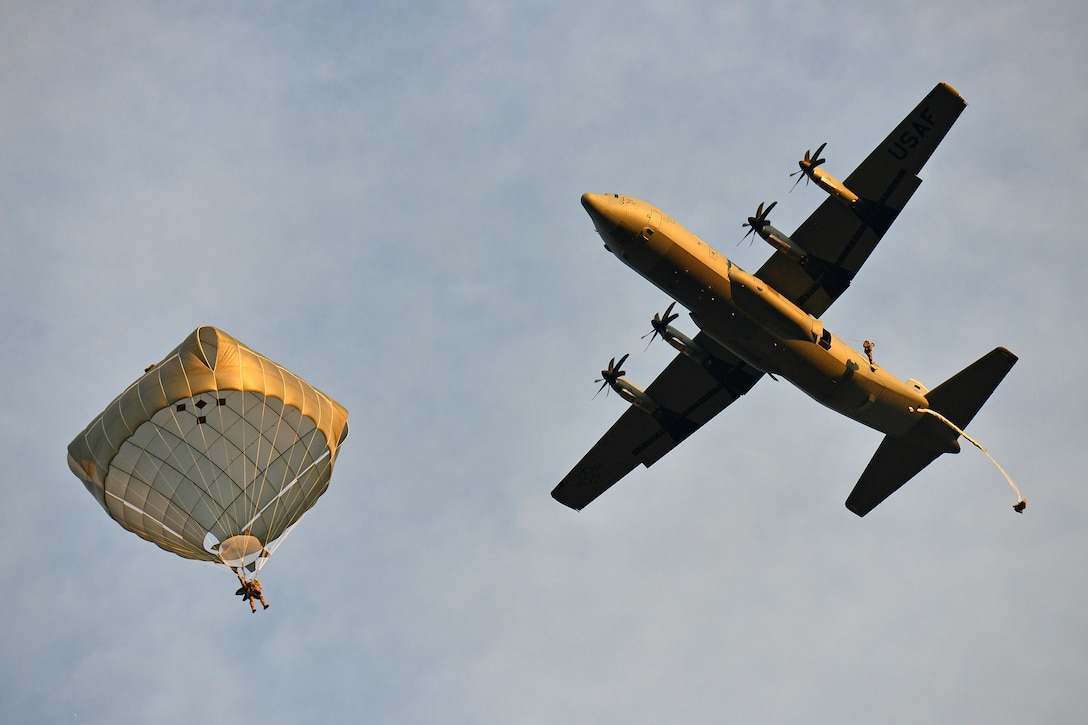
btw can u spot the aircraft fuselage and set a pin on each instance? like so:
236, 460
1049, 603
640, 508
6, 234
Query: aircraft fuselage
751, 319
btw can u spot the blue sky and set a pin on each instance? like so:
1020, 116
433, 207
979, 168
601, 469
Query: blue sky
384, 199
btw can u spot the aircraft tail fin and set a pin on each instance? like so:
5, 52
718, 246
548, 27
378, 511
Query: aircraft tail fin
961, 396
958, 399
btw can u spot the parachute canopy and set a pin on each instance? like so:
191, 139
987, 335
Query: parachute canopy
214, 453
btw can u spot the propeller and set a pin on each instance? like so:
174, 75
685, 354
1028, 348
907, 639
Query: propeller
808, 164
610, 374
660, 324
757, 222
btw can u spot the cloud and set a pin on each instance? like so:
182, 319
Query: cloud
385, 200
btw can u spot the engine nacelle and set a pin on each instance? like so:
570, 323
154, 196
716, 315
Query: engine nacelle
686, 345
810, 167
635, 396
781, 242
833, 186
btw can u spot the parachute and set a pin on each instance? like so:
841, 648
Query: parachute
213, 454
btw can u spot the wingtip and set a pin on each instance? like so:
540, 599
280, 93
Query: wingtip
948, 87
860, 513
568, 504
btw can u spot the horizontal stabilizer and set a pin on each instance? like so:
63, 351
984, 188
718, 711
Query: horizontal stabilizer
895, 463
958, 399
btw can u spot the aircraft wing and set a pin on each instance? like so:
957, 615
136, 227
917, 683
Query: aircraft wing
839, 238
689, 394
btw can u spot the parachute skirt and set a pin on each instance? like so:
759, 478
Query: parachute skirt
214, 453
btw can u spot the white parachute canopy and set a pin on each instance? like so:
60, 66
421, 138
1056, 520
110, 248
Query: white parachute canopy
214, 453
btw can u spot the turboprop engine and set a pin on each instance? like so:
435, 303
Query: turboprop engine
662, 326
761, 225
612, 376
810, 169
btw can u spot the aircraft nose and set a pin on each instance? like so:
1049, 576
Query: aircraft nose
592, 202
597, 207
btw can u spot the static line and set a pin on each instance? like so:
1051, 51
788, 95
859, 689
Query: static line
978, 445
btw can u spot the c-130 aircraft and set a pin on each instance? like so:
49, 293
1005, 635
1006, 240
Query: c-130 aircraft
768, 323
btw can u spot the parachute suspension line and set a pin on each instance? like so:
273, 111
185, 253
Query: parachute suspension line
271, 549
251, 589
265, 454
1021, 502
270, 453
260, 461
191, 464
285, 487
222, 484
281, 486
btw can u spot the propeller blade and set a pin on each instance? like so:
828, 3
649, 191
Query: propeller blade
657, 327
809, 163
612, 372
759, 221
660, 323
669, 317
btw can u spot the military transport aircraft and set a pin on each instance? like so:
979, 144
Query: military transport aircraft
768, 323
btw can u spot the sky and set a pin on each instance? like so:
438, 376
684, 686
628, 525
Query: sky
384, 198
